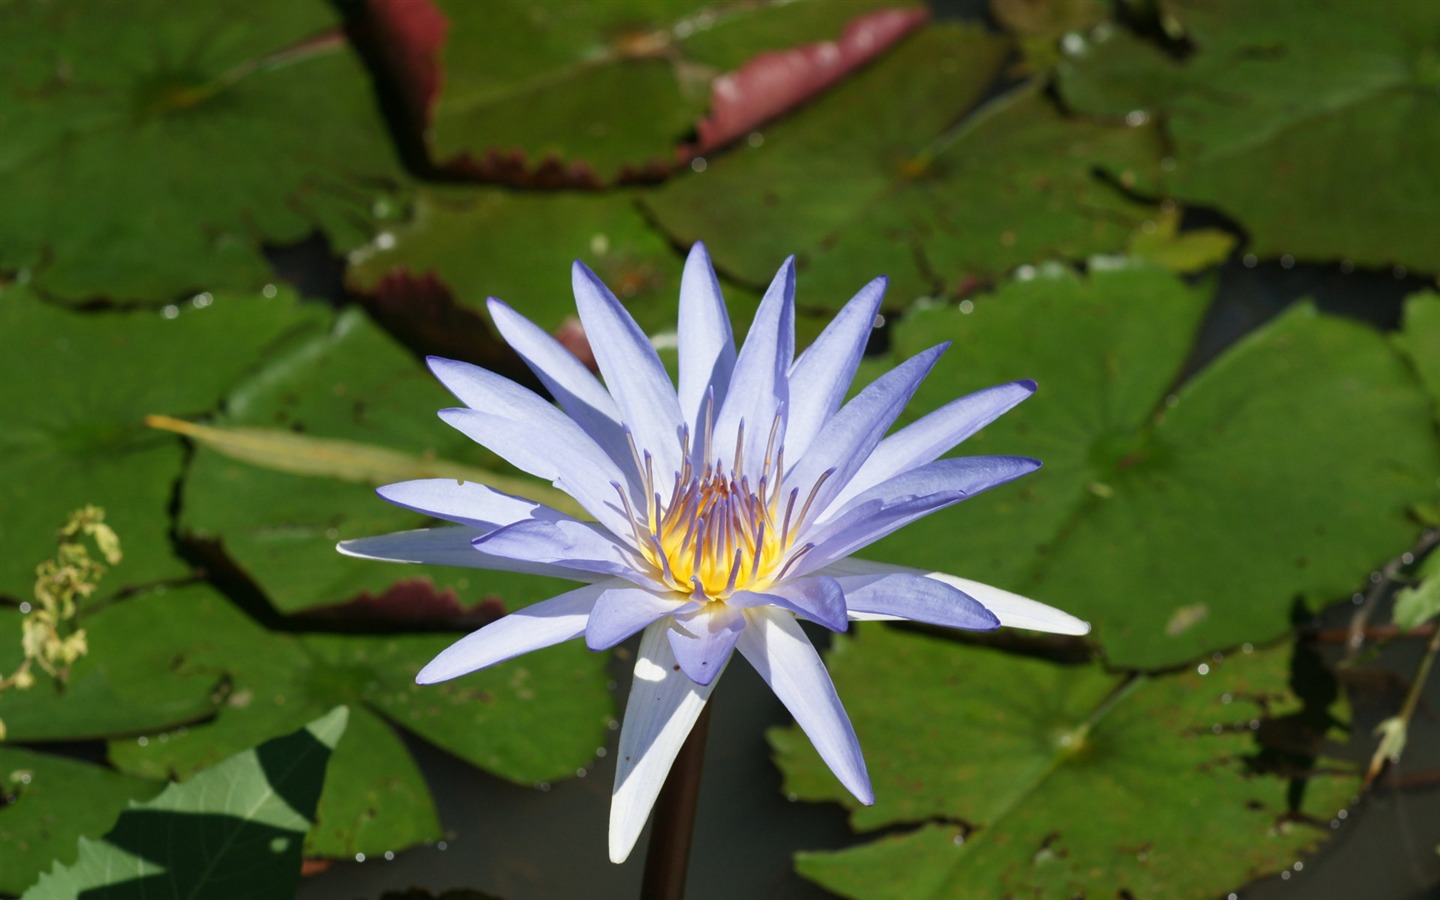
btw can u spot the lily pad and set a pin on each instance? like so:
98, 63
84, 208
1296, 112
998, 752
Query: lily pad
1420, 602
151, 148
1420, 340
126, 684
49, 802
1178, 519
560, 93
1161, 242
1263, 115
491, 243
537, 720
280, 529
1028, 778
876, 178
232, 832
74, 390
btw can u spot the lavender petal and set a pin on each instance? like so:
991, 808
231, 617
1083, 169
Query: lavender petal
780, 652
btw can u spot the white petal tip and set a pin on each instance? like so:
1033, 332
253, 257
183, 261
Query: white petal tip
623, 836
1055, 625
618, 856
1015, 611
1050, 621
354, 548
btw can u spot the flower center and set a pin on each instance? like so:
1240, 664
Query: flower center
718, 532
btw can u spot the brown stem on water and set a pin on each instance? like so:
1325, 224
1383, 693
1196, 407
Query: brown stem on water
668, 857
1372, 633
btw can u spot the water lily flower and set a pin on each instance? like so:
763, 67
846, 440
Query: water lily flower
723, 511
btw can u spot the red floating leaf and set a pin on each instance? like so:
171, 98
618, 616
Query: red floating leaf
773, 83
411, 604
409, 35
513, 167
421, 312
571, 335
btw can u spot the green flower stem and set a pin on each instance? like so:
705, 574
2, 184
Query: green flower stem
668, 857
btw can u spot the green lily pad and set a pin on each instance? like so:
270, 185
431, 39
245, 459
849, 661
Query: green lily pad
74, 390
1262, 117
1420, 340
231, 832
151, 148
1420, 603
1028, 778
126, 684
592, 93
875, 178
1161, 242
280, 529
1039, 25
1177, 519
538, 719
49, 802
490, 243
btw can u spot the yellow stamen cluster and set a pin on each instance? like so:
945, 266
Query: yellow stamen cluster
718, 532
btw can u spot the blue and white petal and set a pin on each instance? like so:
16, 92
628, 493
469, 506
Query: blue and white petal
623, 610
1013, 610
820, 599
821, 376
777, 648
565, 544
842, 445
451, 546
915, 598
540, 625
633, 372
707, 345
702, 640
579, 393
935, 434
760, 386
465, 503
663, 706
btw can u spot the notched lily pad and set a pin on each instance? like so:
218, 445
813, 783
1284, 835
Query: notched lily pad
152, 147
125, 684
1263, 115
1420, 602
535, 721
234, 831
588, 94
48, 802
1420, 340
1177, 519
1024, 777
517, 247
877, 178
74, 391
356, 385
